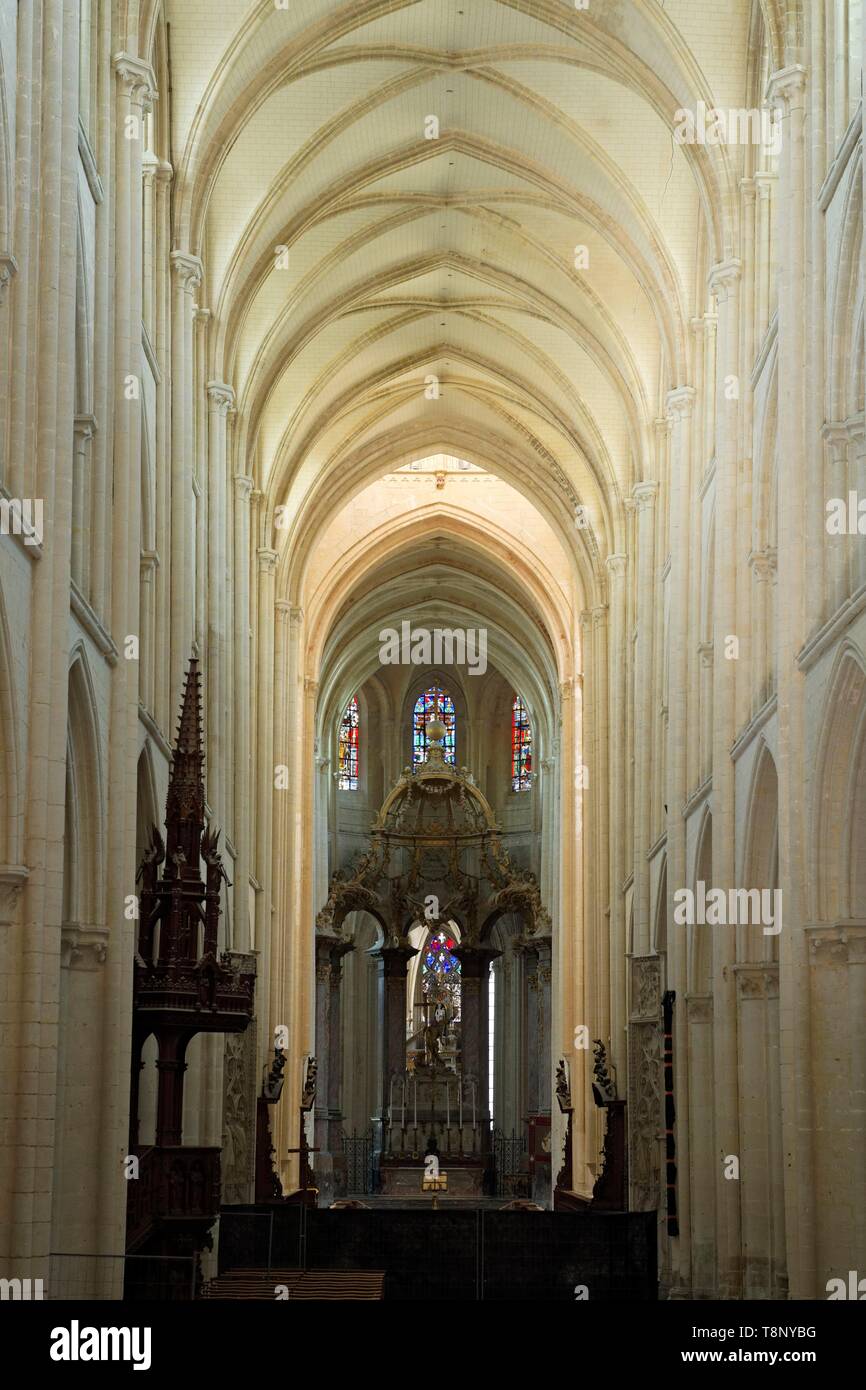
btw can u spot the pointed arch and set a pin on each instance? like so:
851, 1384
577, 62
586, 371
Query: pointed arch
840, 842
147, 800
845, 375
760, 867
660, 917
700, 945
349, 747
84, 776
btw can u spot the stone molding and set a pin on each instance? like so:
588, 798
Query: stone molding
83, 948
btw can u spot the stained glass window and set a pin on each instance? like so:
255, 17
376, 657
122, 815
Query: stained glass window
440, 973
348, 748
521, 747
424, 708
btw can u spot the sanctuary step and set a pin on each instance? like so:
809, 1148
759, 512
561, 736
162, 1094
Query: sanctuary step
327, 1285
409, 1202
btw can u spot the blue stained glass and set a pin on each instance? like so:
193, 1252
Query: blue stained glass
425, 707
521, 747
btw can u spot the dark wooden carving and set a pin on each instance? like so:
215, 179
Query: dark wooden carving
670, 1113
181, 987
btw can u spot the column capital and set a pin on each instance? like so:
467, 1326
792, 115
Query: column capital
786, 87
8, 268
762, 563
599, 614
243, 487
661, 426
724, 276
644, 494
188, 269
680, 402
137, 79
13, 881
201, 316
221, 395
282, 608
84, 426
267, 560
616, 565
705, 652
764, 180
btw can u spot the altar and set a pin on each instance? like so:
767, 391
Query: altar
433, 1111
437, 883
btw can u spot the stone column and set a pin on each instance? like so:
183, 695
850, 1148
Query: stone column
474, 973
644, 1048
187, 277
644, 499
616, 567
163, 709
836, 485
221, 399
329, 1163
135, 92
787, 92
265, 736
40, 459
147, 606
699, 1014
243, 809
543, 950
724, 283
537, 971
764, 182
392, 962
762, 564
85, 428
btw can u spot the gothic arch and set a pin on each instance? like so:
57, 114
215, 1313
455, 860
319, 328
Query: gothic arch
452, 684
760, 868
765, 487
845, 370
699, 946
660, 916
147, 800
87, 820
840, 842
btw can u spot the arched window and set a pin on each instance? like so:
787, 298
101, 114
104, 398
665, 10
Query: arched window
425, 706
440, 974
347, 779
521, 747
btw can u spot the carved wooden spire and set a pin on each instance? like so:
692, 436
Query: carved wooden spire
184, 807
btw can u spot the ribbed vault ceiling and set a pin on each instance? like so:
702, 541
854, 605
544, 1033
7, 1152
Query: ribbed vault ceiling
453, 257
